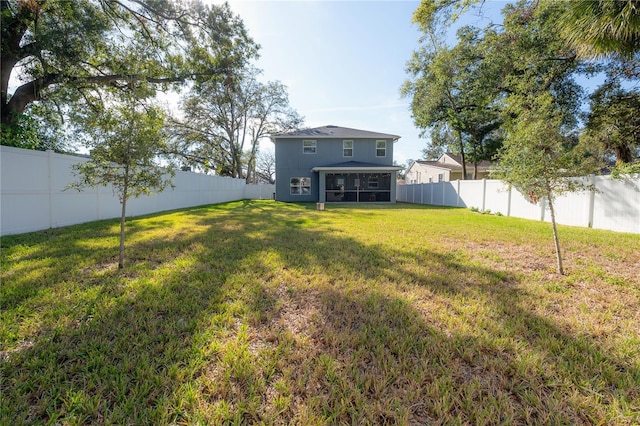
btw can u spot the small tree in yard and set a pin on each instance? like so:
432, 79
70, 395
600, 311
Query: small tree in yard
539, 159
124, 143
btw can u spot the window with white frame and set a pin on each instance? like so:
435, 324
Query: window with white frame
309, 147
381, 148
300, 185
347, 148
440, 177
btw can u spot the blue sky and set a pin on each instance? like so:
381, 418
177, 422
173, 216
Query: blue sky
343, 61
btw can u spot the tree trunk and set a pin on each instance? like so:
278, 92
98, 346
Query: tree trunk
251, 163
556, 240
475, 161
623, 154
464, 162
238, 164
5, 72
122, 220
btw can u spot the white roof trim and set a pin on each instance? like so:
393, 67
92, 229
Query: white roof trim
393, 138
359, 169
426, 166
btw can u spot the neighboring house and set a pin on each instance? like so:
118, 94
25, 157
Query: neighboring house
447, 168
335, 164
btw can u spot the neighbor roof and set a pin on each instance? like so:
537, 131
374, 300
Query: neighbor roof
331, 131
484, 165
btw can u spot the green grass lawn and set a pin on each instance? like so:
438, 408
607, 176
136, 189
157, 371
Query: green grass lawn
273, 313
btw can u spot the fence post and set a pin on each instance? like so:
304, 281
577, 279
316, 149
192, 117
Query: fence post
484, 193
431, 193
509, 201
97, 189
592, 199
443, 193
422, 193
50, 175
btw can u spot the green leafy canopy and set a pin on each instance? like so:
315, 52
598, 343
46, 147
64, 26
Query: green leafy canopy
71, 51
124, 142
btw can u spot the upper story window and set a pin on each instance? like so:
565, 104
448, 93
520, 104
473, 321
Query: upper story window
381, 148
309, 147
347, 148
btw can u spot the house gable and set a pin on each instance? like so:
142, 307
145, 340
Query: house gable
450, 159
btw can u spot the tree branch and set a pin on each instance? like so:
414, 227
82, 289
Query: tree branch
32, 91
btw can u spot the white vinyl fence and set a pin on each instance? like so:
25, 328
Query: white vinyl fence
33, 195
615, 205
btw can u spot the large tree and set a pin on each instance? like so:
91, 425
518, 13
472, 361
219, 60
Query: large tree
605, 32
67, 51
613, 123
598, 28
224, 122
593, 27
266, 167
454, 88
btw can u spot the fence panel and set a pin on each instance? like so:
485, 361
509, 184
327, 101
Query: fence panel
450, 196
437, 194
614, 206
520, 206
499, 201
471, 194
426, 192
32, 185
571, 209
26, 201
107, 208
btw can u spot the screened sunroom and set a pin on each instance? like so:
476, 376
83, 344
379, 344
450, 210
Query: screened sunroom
357, 183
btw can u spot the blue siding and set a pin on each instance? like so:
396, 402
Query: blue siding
292, 162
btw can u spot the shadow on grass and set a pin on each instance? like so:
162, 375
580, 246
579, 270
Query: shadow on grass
262, 312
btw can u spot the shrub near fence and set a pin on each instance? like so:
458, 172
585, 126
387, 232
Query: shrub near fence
33, 195
614, 205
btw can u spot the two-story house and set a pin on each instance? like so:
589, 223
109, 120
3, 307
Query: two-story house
335, 164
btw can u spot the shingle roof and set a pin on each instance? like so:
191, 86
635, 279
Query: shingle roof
331, 131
